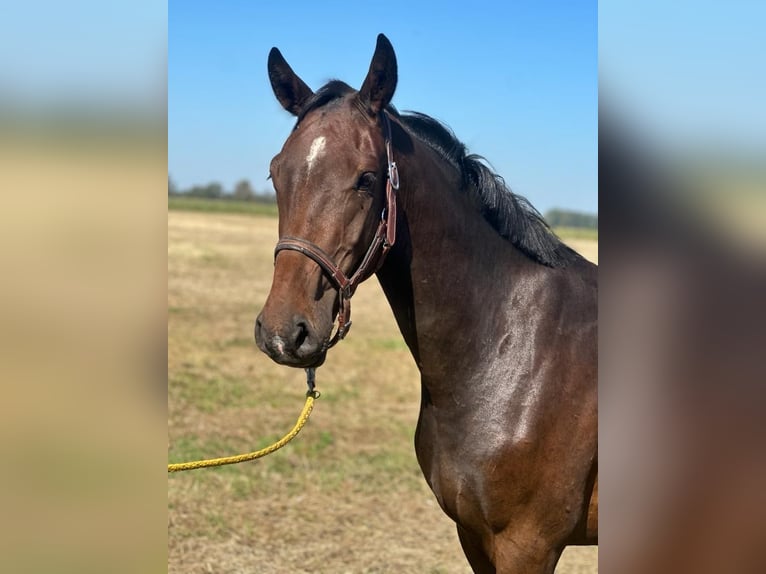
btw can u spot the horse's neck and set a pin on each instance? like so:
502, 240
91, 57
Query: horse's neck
440, 276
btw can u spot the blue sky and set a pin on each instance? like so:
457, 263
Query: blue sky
516, 81
90, 54
687, 74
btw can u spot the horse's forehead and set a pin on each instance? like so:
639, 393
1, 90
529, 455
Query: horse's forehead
325, 133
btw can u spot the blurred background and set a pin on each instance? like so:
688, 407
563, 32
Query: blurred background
83, 164
84, 159
682, 176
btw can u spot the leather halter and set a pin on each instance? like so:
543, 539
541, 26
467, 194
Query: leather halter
384, 239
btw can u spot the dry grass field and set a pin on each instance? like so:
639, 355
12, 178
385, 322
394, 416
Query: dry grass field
347, 495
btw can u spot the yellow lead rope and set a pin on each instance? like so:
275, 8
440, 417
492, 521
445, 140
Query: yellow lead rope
311, 396
302, 419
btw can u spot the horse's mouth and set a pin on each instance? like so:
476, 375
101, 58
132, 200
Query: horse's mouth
303, 362
294, 358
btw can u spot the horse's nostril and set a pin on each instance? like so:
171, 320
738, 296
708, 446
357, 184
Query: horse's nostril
257, 331
301, 335
292, 343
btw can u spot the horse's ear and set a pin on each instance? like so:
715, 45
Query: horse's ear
380, 83
290, 90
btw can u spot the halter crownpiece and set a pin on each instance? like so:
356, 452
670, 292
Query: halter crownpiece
385, 237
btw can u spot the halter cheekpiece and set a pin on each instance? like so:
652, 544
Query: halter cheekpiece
384, 239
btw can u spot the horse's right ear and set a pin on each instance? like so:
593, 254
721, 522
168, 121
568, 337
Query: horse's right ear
379, 85
290, 90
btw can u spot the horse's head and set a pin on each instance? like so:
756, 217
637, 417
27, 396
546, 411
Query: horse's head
330, 180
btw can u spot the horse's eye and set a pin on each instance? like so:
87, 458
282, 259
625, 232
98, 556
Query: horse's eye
366, 181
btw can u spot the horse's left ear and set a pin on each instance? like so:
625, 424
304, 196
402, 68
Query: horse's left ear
379, 85
290, 90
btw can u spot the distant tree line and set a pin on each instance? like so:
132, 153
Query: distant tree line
242, 191
566, 218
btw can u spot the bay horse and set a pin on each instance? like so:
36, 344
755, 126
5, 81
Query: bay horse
499, 315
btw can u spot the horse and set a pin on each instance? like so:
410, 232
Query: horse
499, 315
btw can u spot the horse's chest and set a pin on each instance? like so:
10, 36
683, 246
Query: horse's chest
450, 485
450, 468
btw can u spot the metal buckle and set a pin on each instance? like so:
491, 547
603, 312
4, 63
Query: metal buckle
393, 174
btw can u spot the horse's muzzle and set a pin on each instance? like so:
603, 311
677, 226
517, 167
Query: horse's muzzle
294, 344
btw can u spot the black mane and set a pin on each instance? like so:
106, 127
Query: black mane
511, 215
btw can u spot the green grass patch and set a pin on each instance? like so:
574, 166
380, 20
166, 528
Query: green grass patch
393, 469
312, 444
341, 395
206, 205
395, 344
214, 259
238, 342
576, 233
210, 394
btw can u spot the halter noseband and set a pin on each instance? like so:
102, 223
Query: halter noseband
384, 239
